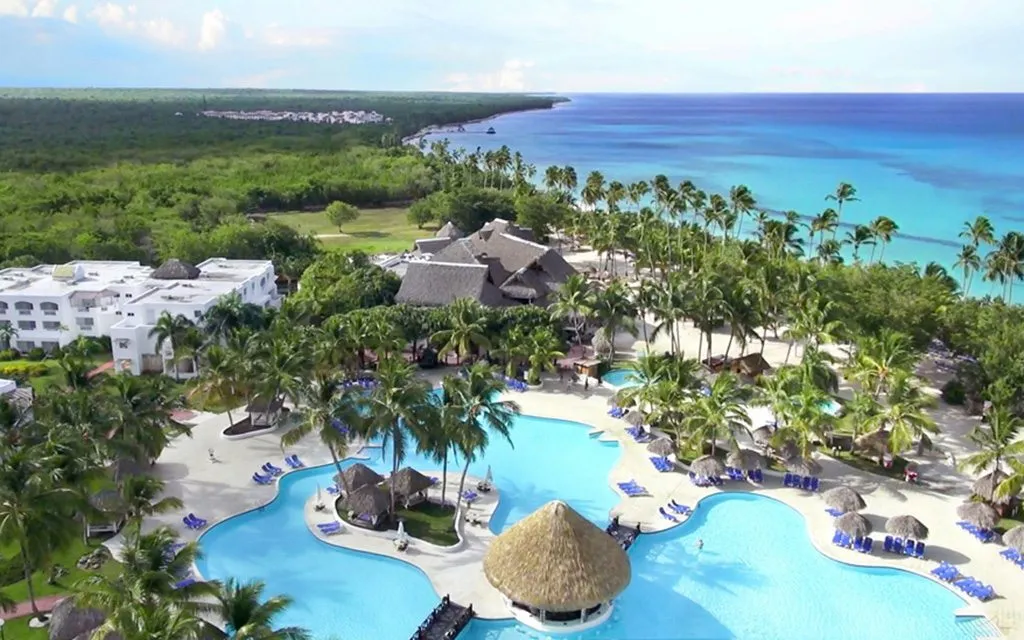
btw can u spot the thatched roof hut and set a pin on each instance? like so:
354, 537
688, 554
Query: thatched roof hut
707, 467
555, 560
661, 447
69, 622
1015, 537
175, 269
368, 500
788, 450
408, 481
985, 487
127, 466
358, 476
876, 442
107, 501
449, 230
634, 418
762, 435
844, 499
978, 513
803, 466
906, 527
745, 459
853, 524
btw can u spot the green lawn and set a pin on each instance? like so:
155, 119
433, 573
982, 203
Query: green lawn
376, 231
67, 559
18, 629
54, 375
430, 522
895, 470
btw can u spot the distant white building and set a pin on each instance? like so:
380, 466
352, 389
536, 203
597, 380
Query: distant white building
51, 305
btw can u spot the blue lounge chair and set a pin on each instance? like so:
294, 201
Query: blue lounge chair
261, 479
757, 475
837, 537
267, 470
866, 547
469, 496
805, 483
787, 479
908, 547
919, 550
814, 484
665, 514
196, 520
295, 459
897, 545
832, 511
333, 490
181, 584
1010, 554
274, 469
844, 541
291, 462
888, 543
858, 544
680, 508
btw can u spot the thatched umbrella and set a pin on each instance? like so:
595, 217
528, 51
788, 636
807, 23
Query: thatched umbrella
853, 524
985, 487
556, 560
788, 450
408, 481
661, 447
844, 499
745, 459
707, 467
762, 435
367, 500
107, 501
358, 476
67, 621
876, 442
634, 418
978, 513
906, 527
803, 466
1015, 537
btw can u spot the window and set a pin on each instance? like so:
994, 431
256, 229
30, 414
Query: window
25, 345
85, 323
123, 344
26, 325
127, 295
263, 282
49, 346
51, 326
24, 308
3, 308
131, 315
49, 308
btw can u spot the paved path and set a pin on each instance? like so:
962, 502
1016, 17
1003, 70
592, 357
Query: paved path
44, 604
103, 368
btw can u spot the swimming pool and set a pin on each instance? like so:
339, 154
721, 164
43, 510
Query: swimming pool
347, 594
621, 378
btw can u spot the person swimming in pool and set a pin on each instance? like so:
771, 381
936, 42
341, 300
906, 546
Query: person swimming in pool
700, 544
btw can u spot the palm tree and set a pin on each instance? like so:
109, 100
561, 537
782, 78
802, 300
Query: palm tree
860, 236
970, 261
1005, 263
141, 415
860, 410
542, 352
719, 414
978, 232
8, 332
844, 193
615, 311
808, 422
247, 616
883, 229
171, 329
905, 415
467, 330
999, 444
827, 220
574, 302
221, 378
436, 437
140, 497
877, 360
741, 203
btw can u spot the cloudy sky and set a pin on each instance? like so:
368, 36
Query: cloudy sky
522, 45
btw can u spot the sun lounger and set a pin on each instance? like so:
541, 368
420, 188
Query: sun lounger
867, 545
196, 521
908, 547
662, 464
845, 541
806, 483
919, 550
187, 582
665, 514
756, 475
333, 490
888, 543
858, 544
836, 537
814, 484
835, 513
680, 508
469, 496
261, 479
329, 528
274, 469
291, 462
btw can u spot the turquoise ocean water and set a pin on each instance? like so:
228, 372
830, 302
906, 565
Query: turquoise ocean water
928, 161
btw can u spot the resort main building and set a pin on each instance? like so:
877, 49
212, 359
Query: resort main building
51, 305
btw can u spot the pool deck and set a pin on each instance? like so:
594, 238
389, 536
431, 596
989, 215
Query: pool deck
218, 490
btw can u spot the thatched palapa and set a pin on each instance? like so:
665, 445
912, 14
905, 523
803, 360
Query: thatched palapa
762, 435
68, 622
844, 499
876, 442
978, 513
745, 459
358, 476
853, 524
661, 447
985, 487
367, 500
707, 467
175, 269
1015, 537
906, 527
556, 560
408, 481
634, 418
803, 466
788, 450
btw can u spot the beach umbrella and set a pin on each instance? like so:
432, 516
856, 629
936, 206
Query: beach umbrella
707, 467
489, 478
745, 459
876, 442
634, 418
906, 527
803, 466
762, 435
319, 498
788, 450
844, 499
978, 513
661, 447
1015, 537
985, 487
401, 530
853, 524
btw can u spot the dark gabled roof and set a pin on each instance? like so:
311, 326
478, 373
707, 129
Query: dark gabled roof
458, 252
449, 230
752, 364
431, 245
499, 226
175, 269
435, 284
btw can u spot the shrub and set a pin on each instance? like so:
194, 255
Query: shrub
23, 371
954, 392
9, 354
56, 353
35, 354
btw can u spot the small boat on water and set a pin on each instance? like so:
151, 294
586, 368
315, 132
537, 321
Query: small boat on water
491, 131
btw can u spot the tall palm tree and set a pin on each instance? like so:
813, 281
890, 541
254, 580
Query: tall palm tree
140, 409
999, 447
221, 378
882, 229
466, 332
859, 237
1005, 264
827, 220
741, 203
171, 329
8, 332
718, 414
877, 360
978, 232
970, 262
574, 302
542, 352
614, 310
904, 414
141, 497
859, 411
248, 616
844, 193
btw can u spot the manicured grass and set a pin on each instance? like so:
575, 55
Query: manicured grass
430, 522
1009, 522
384, 230
18, 629
67, 559
895, 470
54, 376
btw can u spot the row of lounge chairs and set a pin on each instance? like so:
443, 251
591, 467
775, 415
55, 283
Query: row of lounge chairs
617, 412
193, 522
807, 483
701, 481
329, 528
908, 548
271, 471
515, 385
679, 509
359, 384
632, 489
662, 464
1014, 556
972, 587
639, 434
862, 545
985, 535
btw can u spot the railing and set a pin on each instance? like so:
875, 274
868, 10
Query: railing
445, 622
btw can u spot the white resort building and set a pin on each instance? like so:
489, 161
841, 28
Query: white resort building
51, 305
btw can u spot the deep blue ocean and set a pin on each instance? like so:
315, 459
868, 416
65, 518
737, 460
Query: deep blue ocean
928, 161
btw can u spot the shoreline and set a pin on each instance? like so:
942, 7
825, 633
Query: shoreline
448, 128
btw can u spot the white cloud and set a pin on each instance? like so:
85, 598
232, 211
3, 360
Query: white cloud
71, 14
212, 29
111, 15
277, 36
510, 77
44, 9
13, 8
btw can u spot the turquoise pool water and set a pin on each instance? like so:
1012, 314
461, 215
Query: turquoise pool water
620, 378
750, 580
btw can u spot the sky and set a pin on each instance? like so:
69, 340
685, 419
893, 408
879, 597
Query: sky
568, 46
